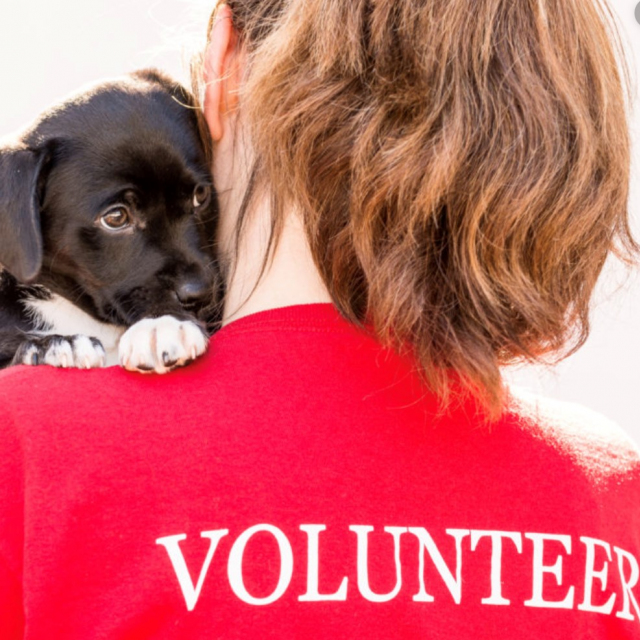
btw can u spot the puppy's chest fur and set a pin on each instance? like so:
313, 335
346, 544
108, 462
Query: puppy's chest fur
52, 314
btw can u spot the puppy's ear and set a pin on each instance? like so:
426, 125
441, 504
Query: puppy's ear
20, 233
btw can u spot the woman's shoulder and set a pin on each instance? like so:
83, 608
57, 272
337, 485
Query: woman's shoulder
30, 395
25, 382
590, 441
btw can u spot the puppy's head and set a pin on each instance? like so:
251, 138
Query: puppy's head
107, 200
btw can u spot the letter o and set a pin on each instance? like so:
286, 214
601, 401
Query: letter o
234, 567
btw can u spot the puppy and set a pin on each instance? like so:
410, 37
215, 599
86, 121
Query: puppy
107, 211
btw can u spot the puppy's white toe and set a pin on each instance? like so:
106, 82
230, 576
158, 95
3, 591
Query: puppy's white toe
161, 344
59, 354
79, 352
28, 356
87, 353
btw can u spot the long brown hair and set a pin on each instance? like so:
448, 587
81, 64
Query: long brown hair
461, 166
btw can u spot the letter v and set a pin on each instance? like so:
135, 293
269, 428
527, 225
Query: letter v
172, 545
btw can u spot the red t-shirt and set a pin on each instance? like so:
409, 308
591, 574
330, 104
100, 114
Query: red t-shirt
295, 483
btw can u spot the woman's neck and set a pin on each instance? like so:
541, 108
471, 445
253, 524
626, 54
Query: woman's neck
290, 277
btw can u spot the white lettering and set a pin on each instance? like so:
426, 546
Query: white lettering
453, 584
591, 574
627, 584
234, 567
363, 562
539, 569
496, 561
172, 545
600, 595
313, 578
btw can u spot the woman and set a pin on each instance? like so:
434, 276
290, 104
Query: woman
412, 193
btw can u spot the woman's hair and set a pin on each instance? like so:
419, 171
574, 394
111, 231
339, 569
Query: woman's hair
461, 167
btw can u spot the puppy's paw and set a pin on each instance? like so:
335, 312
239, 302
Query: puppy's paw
161, 344
80, 352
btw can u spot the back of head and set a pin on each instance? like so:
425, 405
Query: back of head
461, 166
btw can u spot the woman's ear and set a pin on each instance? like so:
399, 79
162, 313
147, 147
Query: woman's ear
221, 73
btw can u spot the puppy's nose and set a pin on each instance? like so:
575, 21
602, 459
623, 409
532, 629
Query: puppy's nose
193, 290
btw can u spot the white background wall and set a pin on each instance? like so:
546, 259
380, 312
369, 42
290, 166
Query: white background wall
48, 49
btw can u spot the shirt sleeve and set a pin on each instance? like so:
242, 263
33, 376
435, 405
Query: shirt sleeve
11, 529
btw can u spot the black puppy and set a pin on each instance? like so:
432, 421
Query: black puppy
106, 212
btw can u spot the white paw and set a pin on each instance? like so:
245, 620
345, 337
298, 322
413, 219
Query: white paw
161, 344
80, 352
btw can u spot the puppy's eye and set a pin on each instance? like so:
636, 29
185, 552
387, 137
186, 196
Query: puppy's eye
201, 195
116, 219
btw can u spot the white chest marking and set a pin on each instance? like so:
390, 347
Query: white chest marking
60, 317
